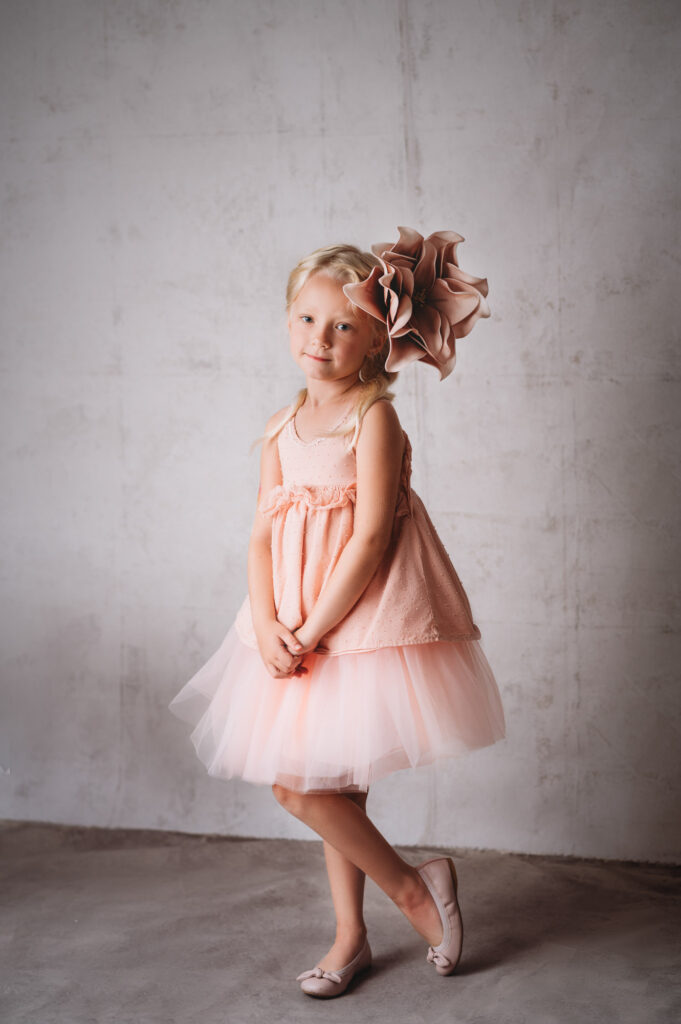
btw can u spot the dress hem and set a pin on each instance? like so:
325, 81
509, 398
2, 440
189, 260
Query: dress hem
432, 638
379, 771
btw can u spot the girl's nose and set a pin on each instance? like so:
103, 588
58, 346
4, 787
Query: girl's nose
322, 337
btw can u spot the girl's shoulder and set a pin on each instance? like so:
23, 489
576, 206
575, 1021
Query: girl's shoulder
278, 417
381, 423
383, 413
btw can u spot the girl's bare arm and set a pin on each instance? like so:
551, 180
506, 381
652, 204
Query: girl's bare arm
273, 637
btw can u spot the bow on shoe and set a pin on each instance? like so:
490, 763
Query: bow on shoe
433, 957
317, 972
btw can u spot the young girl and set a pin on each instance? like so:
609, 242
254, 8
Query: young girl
355, 653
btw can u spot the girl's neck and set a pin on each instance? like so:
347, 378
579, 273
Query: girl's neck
328, 397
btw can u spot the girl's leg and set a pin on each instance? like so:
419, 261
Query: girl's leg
344, 825
346, 881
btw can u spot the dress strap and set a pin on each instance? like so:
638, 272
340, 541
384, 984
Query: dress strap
342, 421
322, 437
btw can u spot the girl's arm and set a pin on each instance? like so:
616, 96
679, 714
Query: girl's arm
260, 584
380, 447
273, 636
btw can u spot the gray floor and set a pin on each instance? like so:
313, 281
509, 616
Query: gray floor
118, 926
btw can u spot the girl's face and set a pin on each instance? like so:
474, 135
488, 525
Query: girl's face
329, 336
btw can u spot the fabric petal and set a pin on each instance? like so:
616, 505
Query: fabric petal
369, 294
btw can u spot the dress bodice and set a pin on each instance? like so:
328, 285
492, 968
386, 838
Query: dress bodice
323, 473
321, 462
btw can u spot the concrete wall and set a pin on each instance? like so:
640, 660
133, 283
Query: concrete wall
163, 166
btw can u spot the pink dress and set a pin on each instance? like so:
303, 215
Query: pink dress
401, 681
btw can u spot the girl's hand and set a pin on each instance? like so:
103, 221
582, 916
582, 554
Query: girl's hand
276, 644
305, 642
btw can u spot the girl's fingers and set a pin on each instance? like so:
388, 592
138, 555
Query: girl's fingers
284, 671
290, 641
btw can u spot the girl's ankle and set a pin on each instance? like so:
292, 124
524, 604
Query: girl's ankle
351, 933
413, 894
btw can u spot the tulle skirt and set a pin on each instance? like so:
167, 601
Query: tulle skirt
350, 720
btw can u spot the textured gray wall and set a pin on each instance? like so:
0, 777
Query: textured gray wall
164, 165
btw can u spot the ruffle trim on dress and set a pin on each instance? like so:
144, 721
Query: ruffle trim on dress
318, 496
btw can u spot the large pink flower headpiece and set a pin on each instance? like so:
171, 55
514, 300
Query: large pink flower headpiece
423, 297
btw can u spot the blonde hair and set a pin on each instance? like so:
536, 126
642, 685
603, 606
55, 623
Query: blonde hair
348, 264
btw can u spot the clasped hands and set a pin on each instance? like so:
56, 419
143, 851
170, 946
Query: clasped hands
282, 649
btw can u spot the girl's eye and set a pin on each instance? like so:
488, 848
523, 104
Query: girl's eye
306, 319
345, 327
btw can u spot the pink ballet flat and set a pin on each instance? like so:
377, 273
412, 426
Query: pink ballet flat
439, 875
327, 984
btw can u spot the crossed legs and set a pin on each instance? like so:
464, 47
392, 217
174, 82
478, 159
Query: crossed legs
354, 848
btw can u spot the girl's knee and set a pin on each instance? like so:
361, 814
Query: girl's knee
359, 798
288, 798
279, 792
